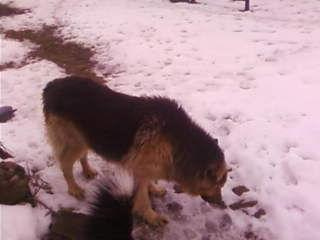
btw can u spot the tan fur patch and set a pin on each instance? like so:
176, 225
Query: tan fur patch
150, 157
62, 134
68, 146
222, 171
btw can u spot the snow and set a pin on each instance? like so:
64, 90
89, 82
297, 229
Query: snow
22, 223
250, 79
13, 51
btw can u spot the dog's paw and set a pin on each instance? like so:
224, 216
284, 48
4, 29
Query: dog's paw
77, 192
152, 218
157, 190
155, 219
90, 174
158, 221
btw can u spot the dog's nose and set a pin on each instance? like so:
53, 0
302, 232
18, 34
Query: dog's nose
215, 200
210, 199
177, 189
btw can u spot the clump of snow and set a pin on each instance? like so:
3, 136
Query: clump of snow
13, 51
37, 14
22, 222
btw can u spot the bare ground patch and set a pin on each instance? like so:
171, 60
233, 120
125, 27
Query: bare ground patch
13, 65
75, 58
7, 10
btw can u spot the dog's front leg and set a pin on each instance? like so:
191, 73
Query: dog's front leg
142, 206
156, 190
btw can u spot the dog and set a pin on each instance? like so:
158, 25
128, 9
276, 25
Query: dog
152, 137
110, 215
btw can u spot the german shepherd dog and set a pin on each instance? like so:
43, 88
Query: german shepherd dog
152, 137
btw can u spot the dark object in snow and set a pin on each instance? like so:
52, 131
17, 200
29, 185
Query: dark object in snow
239, 190
174, 210
261, 212
6, 113
189, 233
243, 204
142, 231
206, 237
174, 207
218, 224
186, 1
4, 152
225, 222
66, 225
247, 5
251, 236
14, 186
211, 226
7, 10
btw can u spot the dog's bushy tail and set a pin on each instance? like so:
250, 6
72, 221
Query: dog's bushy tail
111, 211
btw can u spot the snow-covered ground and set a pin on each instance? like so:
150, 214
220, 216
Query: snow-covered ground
250, 79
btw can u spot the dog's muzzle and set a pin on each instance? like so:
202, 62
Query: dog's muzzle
215, 200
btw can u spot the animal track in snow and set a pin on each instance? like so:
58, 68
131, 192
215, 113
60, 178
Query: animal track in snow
224, 130
289, 174
246, 84
33, 145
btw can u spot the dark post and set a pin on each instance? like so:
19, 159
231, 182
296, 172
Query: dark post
247, 5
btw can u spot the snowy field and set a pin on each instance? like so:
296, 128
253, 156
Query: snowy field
250, 79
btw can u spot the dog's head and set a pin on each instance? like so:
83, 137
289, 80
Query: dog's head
199, 162
212, 183
208, 184
209, 176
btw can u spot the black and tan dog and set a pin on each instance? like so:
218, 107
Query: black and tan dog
152, 137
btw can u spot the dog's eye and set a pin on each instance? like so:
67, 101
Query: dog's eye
210, 174
223, 180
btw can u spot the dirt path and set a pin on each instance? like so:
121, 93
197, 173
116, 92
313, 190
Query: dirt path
74, 58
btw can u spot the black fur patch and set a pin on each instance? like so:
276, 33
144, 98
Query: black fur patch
110, 218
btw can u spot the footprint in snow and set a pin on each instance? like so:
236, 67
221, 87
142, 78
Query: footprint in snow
167, 62
189, 233
246, 84
33, 145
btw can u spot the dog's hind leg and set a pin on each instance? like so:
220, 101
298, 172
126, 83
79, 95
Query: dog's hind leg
142, 206
68, 146
67, 159
88, 171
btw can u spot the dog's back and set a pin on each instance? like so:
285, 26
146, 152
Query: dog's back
107, 119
